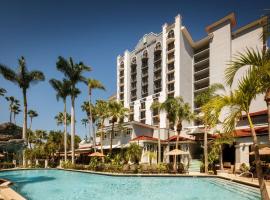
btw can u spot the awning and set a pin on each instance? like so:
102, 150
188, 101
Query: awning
96, 154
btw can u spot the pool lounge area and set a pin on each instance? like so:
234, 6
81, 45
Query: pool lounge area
62, 184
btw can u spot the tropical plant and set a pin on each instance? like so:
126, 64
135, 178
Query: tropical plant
156, 107
60, 119
92, 84
239, 101
206, 114
2, 92
151, 155
12, 102
16, 110
102, 113
84, 123
63, 90
177, 112
74, 73
117, 112
134, 152
32, 114
23, 78
255, 62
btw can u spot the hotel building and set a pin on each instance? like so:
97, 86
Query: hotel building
171, 63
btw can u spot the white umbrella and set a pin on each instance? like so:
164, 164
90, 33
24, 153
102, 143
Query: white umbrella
177, 152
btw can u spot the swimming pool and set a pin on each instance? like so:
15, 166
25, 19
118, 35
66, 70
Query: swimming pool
67, 185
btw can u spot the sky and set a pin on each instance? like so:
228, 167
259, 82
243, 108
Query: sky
94, 32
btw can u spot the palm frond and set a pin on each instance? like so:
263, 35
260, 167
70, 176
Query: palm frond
8, 74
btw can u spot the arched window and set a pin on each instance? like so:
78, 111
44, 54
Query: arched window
158, 46
133, 60
122, 65
145, 54
171, 34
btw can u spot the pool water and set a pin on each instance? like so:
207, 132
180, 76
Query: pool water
67, 185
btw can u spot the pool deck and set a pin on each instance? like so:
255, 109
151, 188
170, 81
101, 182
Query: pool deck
8, 193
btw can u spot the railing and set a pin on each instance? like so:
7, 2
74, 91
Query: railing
247, 173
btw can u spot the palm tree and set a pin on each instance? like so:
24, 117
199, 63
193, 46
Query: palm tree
2, 92
201, 100
92, 84
12, 102
60, 119
74, 73
117, 112
239, 101
259, 64
85, 122
62, 89
32, 114
102, 114
23, 78
16, 110
177, 112
134, 152
156, 107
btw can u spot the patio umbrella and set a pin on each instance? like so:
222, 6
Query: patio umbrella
262, 151
96, 154
177, 152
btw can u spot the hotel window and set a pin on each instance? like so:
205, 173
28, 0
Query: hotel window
171, 34
121, 80
145, 54
134, 60
171, 66
129, 131
171, 87
122, 89
170, 77
171, 56
143, 105
170, 46
142, 114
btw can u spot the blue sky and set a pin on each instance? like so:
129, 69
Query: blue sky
94, 32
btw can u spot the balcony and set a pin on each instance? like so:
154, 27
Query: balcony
202, 62
202, 81
157, 59
157, 77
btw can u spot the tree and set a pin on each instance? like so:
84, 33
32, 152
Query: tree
60, 119
134, 153
255, 62
74, 73
12, 102
92, 84
156, 107
177, 112
239, 101
16, 110
202, 100
2, 92
63, 90
84, 123
117, 112
32, 114
102, 113
23, 78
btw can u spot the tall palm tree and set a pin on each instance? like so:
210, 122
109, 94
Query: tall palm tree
60, 119
156, 107
63, 90
16, 110
239, 101
177, 112
23, 78
2, 91
32, 114
84, 123
92, 84
12, 102
102, 113
259, 64
117, 112
201, 100
74, 73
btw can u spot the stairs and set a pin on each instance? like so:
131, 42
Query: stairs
246, 191
194, 165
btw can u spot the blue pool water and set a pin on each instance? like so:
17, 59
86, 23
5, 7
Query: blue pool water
66, 185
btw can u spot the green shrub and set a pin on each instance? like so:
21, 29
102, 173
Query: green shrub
68, 165
244, 167
162, 168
